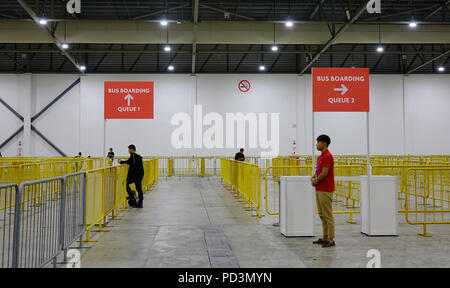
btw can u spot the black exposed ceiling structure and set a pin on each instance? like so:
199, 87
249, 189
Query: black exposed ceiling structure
398, 58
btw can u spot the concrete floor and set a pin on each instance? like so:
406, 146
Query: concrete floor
194, 222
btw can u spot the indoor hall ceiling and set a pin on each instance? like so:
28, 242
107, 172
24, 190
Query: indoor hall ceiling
193, 57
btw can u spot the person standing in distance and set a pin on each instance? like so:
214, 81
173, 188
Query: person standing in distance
135, 174
323, 180
110, 155
240, 155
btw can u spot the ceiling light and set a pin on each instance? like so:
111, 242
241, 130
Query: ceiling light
441, 69
380, 49
163, 23
274, 48
82, 68
170, 68
262, 68
43, 22
64, 46
167, 48
289, 23
413, 24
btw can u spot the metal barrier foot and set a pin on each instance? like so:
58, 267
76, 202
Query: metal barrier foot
87, 241
425, 234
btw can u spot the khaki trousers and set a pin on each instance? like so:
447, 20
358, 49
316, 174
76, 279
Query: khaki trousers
324, 200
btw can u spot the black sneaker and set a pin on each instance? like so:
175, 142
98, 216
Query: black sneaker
320, 241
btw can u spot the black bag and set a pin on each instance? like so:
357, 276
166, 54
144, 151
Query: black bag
132, 199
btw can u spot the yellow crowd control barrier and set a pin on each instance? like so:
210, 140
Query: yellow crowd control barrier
151, 169
189, 166
44, 168
244, 179
106, 193
427, 196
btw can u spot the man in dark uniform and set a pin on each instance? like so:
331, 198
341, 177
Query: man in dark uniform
135, 174
240, 155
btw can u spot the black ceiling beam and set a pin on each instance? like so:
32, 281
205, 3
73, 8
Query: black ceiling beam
137, 58
35, 18
160, 11
443, 6
224, 11
330, 42
207, 58
429, 62
103, 58
242, 59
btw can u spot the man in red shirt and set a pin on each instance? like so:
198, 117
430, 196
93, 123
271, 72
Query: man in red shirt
323, 180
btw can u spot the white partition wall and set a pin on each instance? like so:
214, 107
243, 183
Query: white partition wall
379, 206
408, 114
297, 206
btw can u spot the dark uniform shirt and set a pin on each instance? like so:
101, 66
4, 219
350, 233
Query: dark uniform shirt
110, 155
136, 170
239, 156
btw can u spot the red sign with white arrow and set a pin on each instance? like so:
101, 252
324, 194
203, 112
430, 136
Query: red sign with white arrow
128, 100
340, 89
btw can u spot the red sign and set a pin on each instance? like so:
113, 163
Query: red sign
340, 89
244, 86
128, 100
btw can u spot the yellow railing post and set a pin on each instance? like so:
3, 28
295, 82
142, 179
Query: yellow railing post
169, 167
202, 166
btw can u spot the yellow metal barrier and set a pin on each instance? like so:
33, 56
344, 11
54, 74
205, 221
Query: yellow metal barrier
151, 168
189, 166
106, 193
244, 180
27, 170
427, 196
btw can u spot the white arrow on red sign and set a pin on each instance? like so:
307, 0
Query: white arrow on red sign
128, 98
343, 89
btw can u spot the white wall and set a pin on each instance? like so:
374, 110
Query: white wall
60, 124
414, 108
427, 106
14, 90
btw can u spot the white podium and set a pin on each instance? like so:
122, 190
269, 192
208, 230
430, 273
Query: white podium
297, 206
379, 207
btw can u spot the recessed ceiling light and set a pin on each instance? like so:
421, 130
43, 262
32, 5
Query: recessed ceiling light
170, 68
441, 69
274, 48
167, 48
65, 46
262, 68
43, 22
380, 49
82, 68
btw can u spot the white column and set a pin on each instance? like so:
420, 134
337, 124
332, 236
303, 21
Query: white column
25, 96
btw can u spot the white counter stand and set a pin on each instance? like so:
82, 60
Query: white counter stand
297, 206
379, 207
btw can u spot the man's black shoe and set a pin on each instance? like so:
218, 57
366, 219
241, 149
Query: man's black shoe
138, 206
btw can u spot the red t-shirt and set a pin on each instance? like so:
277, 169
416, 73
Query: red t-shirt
325, 160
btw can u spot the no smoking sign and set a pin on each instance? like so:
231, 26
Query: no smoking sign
244, 86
